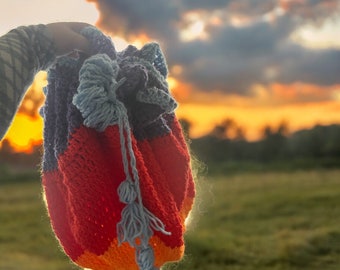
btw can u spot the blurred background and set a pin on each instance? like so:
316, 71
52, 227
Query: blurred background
258, 86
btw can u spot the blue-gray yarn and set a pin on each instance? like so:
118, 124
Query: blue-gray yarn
142, 258
127, 191
99, 43
153, 71
97, 102
156, 96
152, 53
96, 98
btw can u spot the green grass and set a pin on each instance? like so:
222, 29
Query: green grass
26, 239
245, 221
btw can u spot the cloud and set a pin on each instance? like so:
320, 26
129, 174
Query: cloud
203, 4
316, 10
246, 42
320, 67
133, 17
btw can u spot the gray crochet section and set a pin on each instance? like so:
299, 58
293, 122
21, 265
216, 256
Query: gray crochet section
156, 96
61, 117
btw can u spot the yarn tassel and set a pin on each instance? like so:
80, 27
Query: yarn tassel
137, 222
144, 257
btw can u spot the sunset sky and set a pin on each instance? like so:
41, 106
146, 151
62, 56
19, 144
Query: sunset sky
256, 61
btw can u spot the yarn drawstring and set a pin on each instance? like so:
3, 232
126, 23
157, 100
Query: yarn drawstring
96, 100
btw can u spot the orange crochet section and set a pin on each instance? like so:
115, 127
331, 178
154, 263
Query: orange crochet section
187, 206
123, 257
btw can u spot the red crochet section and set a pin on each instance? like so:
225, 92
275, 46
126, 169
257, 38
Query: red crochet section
92, 167
83, 202
158, 199
178, 134
56, 196
173, 161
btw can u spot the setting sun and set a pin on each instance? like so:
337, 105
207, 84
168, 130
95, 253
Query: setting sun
25, 132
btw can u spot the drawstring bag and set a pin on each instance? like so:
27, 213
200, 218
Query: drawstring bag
116, 170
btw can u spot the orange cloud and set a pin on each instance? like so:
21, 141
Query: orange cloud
275, 94
180, 90
300, 105
302, 92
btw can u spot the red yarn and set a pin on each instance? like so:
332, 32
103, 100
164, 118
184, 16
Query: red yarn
82, 193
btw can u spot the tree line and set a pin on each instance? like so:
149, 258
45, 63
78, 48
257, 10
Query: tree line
226, 146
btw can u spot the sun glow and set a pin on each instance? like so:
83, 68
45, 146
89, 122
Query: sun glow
194, 31
323, 35
25, 133
27, 127
319, 37
336, 94
194, 27
120, 43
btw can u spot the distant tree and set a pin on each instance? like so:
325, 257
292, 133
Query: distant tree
9, 156
318, 146
320, 141
267, 132
6, 147
240, 134
283, 129
219, 131
225, 142
6, 152
228, 129
273, 145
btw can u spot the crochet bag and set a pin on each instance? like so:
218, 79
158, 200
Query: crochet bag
116, 169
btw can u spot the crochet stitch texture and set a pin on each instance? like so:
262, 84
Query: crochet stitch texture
116, 168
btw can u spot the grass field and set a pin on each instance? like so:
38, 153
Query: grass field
242, 222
